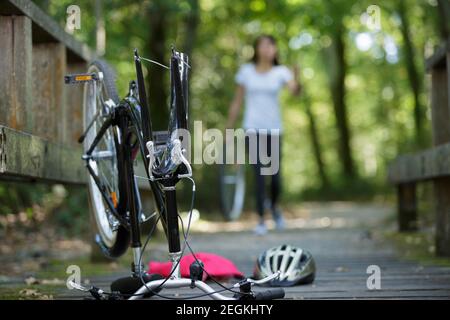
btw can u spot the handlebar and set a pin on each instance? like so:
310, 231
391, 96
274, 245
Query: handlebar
270, 294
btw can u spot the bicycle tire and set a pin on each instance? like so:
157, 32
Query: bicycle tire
113, 243
232, 190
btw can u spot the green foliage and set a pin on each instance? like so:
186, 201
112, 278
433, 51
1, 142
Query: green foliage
16, 197
27, 206
379, 98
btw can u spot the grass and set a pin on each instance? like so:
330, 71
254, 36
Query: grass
27, 292
52, 280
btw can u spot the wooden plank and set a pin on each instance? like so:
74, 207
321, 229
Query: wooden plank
6, 52
30, 157
48, 91
447, 90
442, 208
425, 165
21, 90
43, 122
15, 79
46, 29
331, 249
58, 58
73, 116
440, 112
407, 207
438, 60
441, 134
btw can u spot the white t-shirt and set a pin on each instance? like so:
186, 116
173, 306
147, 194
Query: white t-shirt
262, 109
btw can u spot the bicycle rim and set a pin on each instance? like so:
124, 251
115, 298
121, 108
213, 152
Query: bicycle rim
104, 161
232, 190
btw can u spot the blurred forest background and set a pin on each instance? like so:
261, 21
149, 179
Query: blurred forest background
365, 97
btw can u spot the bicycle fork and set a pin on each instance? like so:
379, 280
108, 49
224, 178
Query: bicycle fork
173, 231
132, 196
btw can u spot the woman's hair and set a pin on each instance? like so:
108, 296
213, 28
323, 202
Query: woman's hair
258, 40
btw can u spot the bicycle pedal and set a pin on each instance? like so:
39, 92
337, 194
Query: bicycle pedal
80, 78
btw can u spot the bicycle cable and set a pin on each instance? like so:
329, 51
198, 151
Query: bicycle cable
185, 232
125, 295
160, 64
186, 244
185, 235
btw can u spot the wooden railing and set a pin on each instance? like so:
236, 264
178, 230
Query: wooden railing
40, 117
432, 164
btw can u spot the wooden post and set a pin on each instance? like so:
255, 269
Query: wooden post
73, 117
440, 112
49, 68
441, 134
15, 75
407, 207
442, 207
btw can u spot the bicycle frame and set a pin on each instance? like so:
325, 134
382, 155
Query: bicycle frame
130, 198
125, 117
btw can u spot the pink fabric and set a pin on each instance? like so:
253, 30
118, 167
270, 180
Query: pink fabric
215, 265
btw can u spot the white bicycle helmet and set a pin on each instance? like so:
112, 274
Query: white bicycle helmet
296, 266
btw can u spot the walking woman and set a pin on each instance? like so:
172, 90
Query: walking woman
259, 83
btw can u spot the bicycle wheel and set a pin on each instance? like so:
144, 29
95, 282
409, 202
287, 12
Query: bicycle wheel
99, 99
232, 190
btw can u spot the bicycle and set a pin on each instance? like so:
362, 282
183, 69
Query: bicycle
115, 132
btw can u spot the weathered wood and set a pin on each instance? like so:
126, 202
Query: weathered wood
437, 60
441, 134
6, 52
425, 165
34, 102
49, 67
45, 29
341, 256
15, 78
440, 111
73, 115
407, 207
30, 157
448, 79
432, 164
442, 209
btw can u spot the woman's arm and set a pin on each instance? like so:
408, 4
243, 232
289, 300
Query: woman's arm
294, 85
235, 106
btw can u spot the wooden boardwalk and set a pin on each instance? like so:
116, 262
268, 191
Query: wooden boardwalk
344, 243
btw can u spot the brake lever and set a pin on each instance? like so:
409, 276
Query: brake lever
97, 293
77, 286
267, 279
273, 276
179, 158
151, 158
245, 286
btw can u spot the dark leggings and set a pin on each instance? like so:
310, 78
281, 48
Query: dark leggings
275, 187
